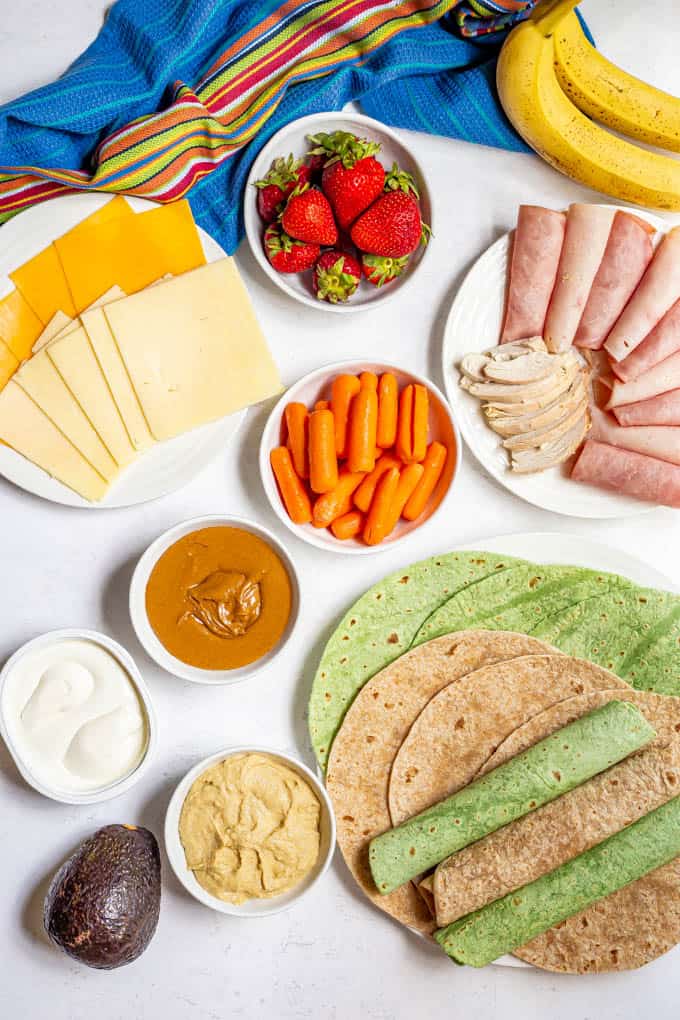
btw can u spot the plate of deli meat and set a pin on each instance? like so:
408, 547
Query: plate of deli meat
561, 360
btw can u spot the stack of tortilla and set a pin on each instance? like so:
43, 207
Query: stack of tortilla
400, 730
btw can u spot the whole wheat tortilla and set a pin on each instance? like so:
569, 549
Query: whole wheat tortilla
372, 732
634, 925
463, 725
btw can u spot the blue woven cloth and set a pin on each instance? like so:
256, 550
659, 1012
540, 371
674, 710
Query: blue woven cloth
428, 79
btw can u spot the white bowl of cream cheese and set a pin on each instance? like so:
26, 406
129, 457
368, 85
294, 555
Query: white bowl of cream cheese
76, 716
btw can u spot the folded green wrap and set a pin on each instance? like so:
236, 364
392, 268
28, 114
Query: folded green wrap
506, 924
552, 767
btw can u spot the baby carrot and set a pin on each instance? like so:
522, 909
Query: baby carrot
378, 517
297, 422
421, 415
364, 494
404, 441
293, 493
412, 424
321, 405
433, 465
388, 398
345, 388
363, 425
348, 526
408, 481
336, 502
323, 464
368, 381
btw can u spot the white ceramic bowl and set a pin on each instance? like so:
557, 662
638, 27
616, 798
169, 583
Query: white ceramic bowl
147, 635
293, 138
130, 667
316, 386
252, 908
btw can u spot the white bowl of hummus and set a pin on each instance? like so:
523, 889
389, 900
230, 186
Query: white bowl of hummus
249, 831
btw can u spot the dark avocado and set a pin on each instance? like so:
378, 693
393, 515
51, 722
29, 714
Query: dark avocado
102, 905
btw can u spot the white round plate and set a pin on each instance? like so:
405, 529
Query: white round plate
569, 550
293, 138
316, 386
167, 466
251, 908
474, 324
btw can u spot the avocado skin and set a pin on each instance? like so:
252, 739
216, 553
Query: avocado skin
103, 904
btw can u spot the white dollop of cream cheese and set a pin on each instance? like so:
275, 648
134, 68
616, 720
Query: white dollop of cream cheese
74, 716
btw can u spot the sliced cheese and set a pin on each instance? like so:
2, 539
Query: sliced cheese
193, 349
54, 327
29, 431
74, 359
115, 373
42, 280
20, 327
112, 294
131, 251
8, 364
40, 379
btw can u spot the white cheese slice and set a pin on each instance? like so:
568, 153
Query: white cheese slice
57, 323
29, 431
193, 349
40, 379
74, 359
115, 373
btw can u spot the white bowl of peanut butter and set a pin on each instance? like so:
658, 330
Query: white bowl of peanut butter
249, 831
215, 599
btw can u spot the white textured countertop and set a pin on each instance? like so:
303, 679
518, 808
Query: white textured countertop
333, 956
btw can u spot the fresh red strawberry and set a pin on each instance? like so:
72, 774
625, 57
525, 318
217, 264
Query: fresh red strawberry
336, 276
392, 226
277, 185
316, 164
286, 254
379, 270
352, 177
309, 217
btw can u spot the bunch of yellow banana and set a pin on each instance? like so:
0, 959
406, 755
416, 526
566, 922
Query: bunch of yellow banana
558, 91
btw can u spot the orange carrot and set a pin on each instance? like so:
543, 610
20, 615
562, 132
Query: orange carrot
348, 526
408, 480
323, 464
368, 381
379, 513
363, 425
388, 399
364, 494
293, 492
321, 405
345, 388
338, 501
297, 423
412, 424
433, 465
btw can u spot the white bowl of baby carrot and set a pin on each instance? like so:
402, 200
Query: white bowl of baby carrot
356, 456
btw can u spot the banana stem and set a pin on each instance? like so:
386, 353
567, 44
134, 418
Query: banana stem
550, 13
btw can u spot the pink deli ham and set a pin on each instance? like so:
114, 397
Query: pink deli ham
660, 441
663, 377
632, 474
585, 241
657, 291
628, 253
535, 255
661, 410
658, 345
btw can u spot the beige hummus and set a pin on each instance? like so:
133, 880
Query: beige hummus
250, 828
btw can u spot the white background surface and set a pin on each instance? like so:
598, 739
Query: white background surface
333, 956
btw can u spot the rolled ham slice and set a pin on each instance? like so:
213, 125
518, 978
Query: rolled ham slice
632, 474
628, 253
661, 410
533, 268
585, 241
657, 291
663, 377
658, 345
660, 441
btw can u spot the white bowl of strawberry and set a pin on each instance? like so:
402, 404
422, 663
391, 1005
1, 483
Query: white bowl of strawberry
337, 211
